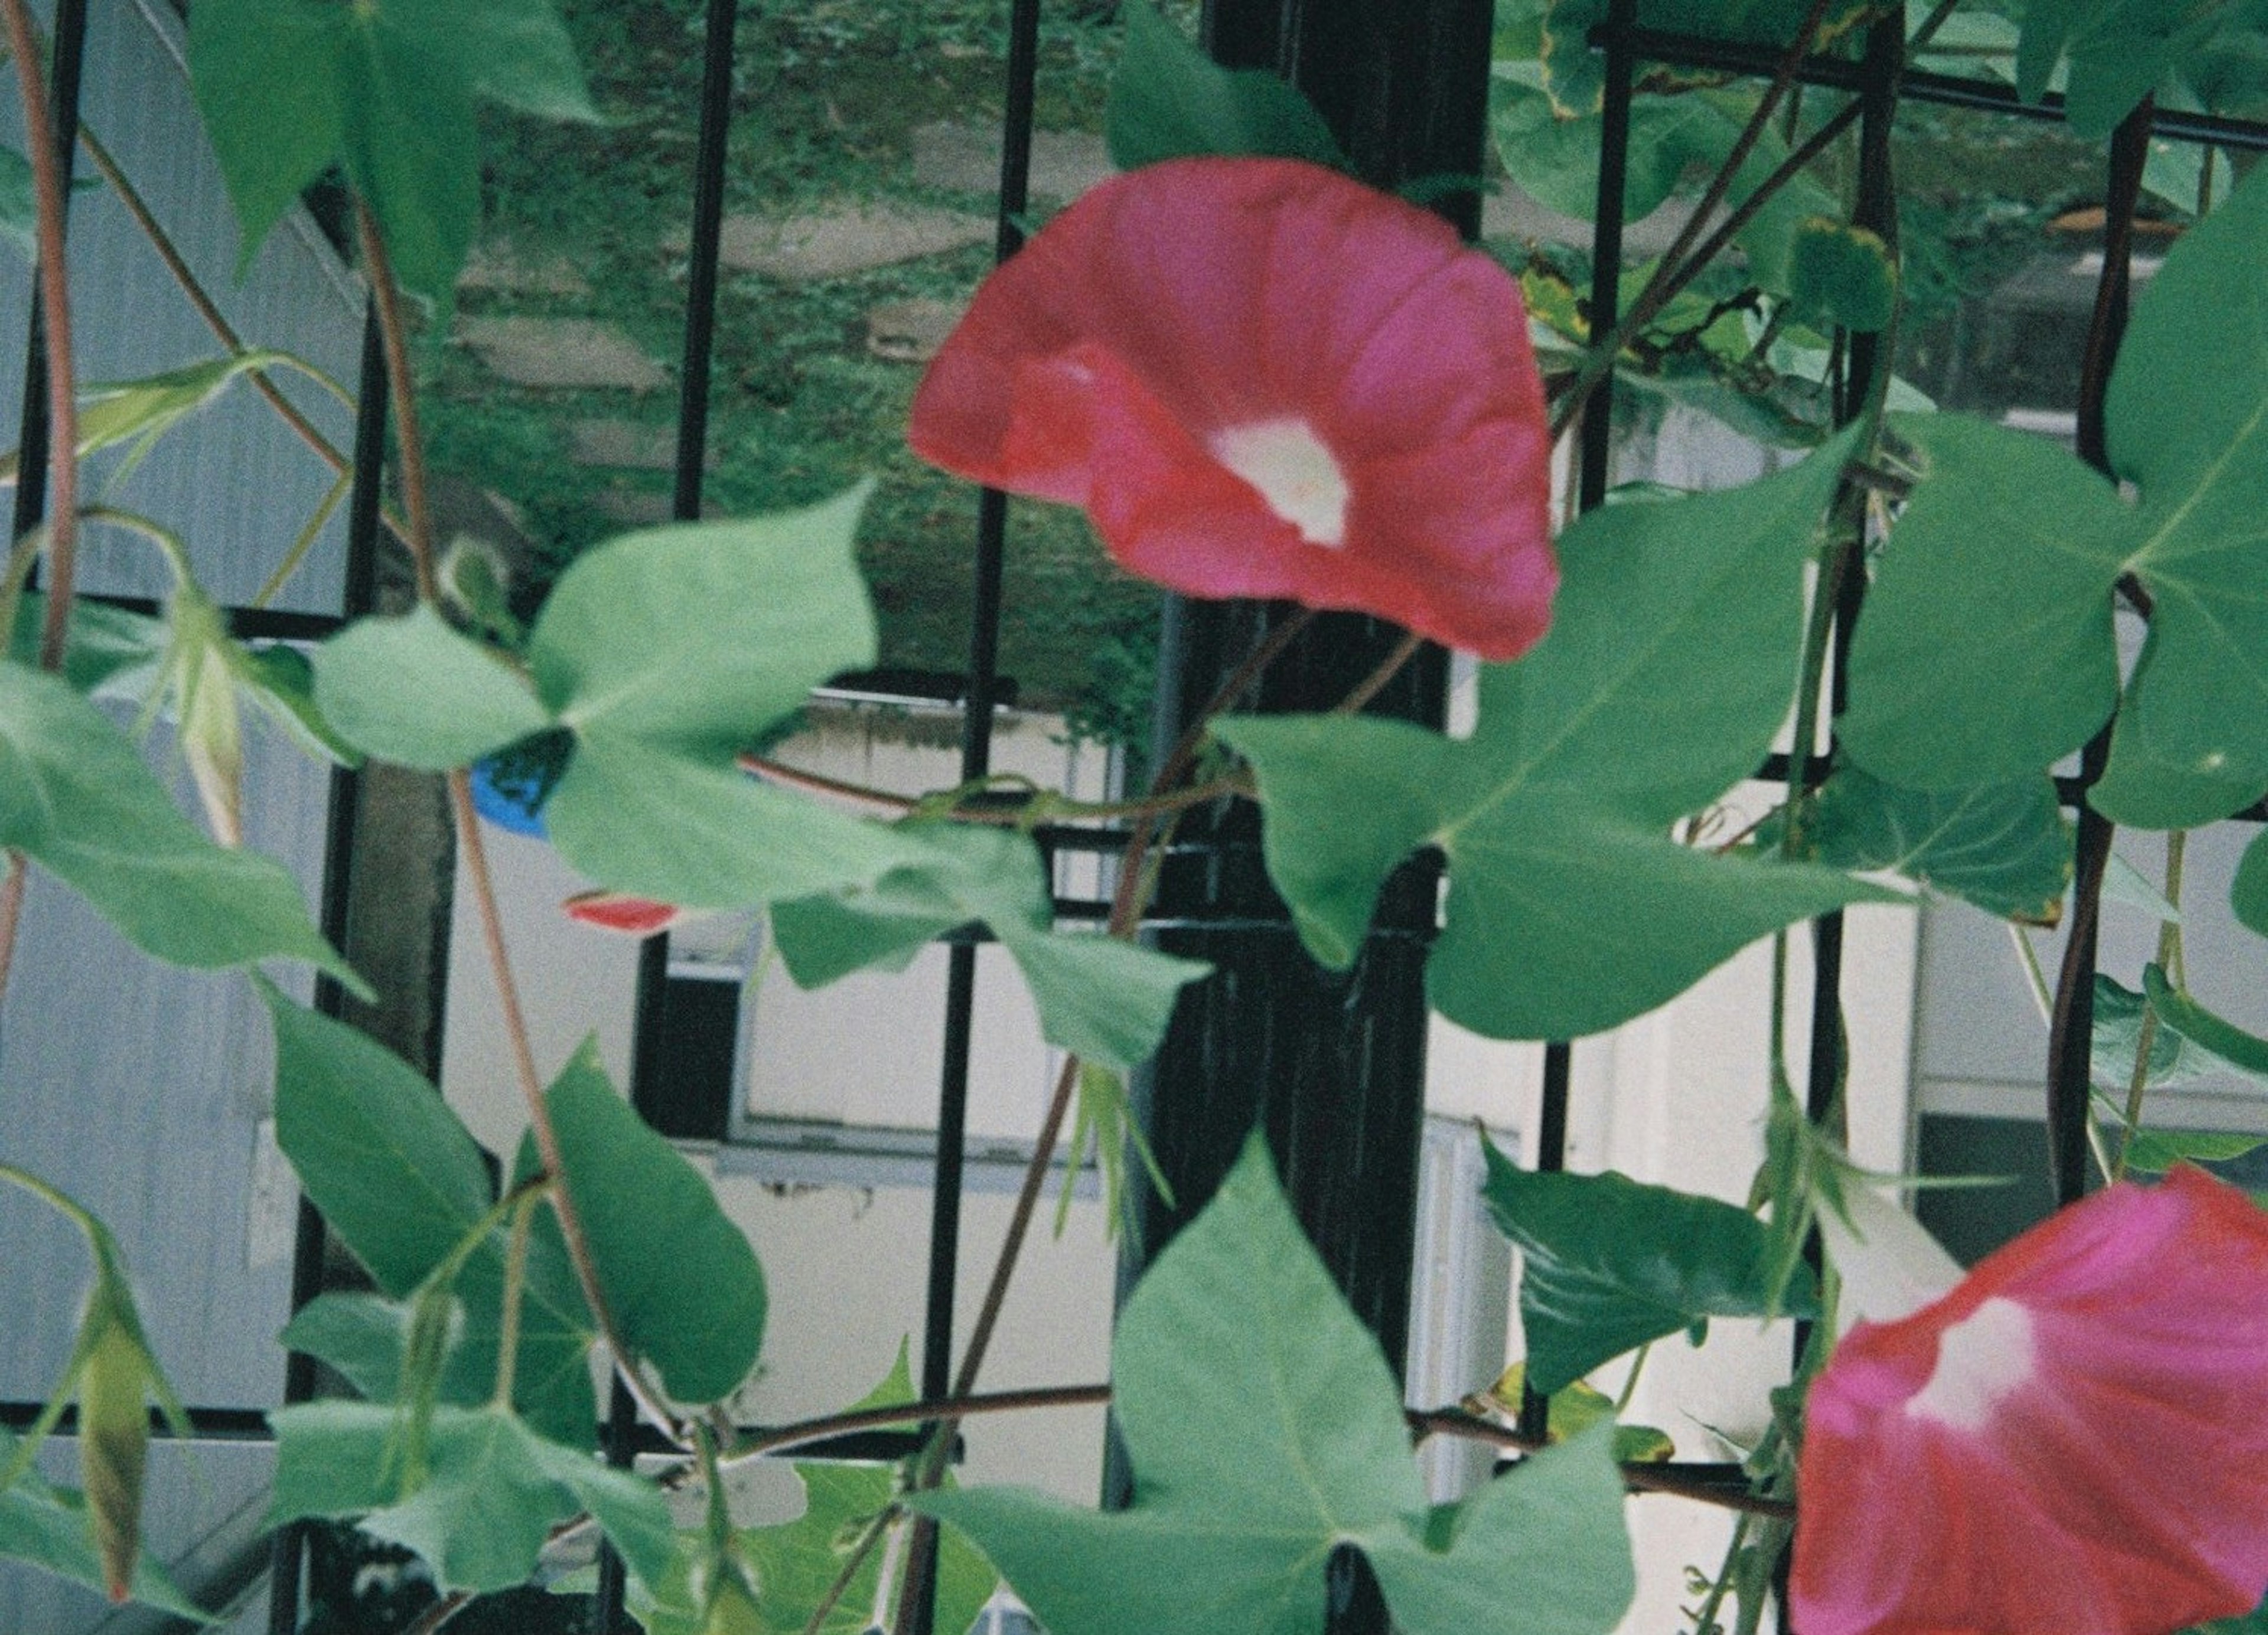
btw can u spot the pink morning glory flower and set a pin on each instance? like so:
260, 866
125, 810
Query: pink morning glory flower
2072, 1438
1261, 379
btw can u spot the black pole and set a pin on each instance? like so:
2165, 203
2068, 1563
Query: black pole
649, 1024
287, 1551
1330, 1065
2071, 1033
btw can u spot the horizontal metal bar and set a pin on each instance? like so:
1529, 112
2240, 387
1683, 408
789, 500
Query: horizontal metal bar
1946, 89
801, 1152
252, 624
206, 1424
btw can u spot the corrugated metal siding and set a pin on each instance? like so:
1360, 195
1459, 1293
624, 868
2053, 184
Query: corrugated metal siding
139, 1089
236, 483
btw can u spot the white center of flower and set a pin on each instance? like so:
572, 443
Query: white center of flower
1980, 1360
1295, 473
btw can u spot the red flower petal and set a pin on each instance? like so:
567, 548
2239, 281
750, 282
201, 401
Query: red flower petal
618, 911
2074, 1439
1263, 380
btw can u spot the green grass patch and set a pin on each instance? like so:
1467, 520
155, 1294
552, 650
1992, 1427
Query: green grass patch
826, 100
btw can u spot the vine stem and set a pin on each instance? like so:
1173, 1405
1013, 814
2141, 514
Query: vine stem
1125, 917
877, 1528
62, 406
897, 805
54, 314
1640, 1476
11, 913
1372, 684
1705, 1617
959, 1407
386, 291
439, 1613
385, 294
1676, 267
472, 855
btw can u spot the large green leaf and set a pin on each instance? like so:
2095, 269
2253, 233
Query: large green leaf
666, 824
1554, 156
2004, 847
1264, 1430
77, 798
401, 1181
413, 690
1609, 1263
1106, 1001
364, 1337
2143, 789
2248, 892
492, 1493
2117, 1036
394, 1170
47, 1527
1840, 275
1667, 669
2119, 51
684, 1286
1986, 651
1168, 100
385, 90
2247, 1053
2187, 417
664, 653
669, 651
697, 634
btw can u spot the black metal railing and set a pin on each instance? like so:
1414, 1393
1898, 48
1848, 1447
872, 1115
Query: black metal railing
1309, 1055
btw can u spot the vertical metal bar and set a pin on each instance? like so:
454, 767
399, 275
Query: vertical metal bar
1875, 208
65, 72
2071, 1031
648, 1015
978, 699
976, 740
621, 1445
708, 226
1596, 454
1607, 243
1330, 1064
287, 1549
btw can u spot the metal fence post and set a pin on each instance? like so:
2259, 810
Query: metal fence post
1331, 1065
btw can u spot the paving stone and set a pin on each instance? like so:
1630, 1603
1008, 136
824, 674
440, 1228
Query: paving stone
911, 332
636, 508
497, 268
852, 238
628, 443
561, 353
966, 159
